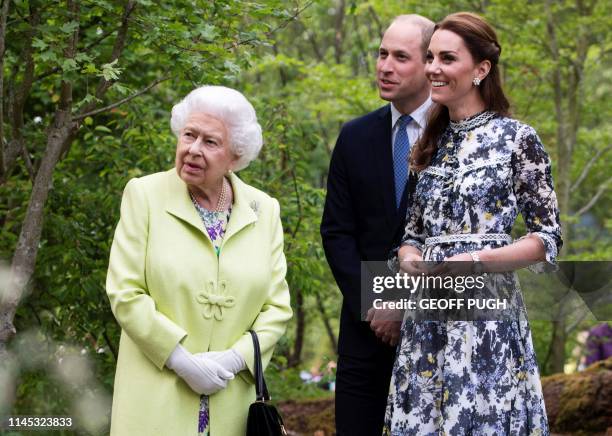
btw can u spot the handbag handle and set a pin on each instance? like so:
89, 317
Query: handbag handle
260, 382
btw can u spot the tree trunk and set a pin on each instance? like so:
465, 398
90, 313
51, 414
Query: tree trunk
326, 322
339, 31
24, 258
3, 18
557, 354
300, 316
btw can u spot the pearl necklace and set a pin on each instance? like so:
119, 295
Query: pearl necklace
222, 195
220, 201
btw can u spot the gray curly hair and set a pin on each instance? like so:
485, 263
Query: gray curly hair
233, 109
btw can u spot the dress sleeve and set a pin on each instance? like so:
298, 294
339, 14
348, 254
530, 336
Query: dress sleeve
154, 333
537, 201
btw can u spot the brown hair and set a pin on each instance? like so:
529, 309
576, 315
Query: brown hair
481, 41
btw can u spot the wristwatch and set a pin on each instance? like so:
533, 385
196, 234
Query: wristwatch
477, 265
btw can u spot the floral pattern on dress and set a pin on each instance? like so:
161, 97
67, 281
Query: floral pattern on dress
203, 420
215, 224
475, 377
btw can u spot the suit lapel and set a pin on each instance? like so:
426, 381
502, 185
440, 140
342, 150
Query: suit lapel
381, 149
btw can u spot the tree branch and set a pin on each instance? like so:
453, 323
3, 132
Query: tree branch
376, 19
3, 17
25, 154
271, 32
313, 42
339, 31
65, 102
22, 91
593, 200
110, 344
362, 47
588, 166
117, 48
120, 102
299, 209
89, 111
89, 46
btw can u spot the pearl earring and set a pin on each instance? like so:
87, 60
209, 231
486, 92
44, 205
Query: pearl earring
476, 81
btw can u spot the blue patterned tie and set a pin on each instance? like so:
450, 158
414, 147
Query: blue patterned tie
401, 149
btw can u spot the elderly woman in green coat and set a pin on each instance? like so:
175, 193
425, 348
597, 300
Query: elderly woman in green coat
197, 261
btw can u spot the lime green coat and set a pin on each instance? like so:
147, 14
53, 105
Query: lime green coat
166, 285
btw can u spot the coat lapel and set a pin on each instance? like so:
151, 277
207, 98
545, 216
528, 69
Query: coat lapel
381, 148
244, 209
179, 204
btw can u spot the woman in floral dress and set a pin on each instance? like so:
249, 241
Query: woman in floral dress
477, 169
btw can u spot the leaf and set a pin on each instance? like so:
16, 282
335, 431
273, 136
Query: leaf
69, 27
208, 33
109, 75
124, 90
69, 65
232, 67
90, 69
110, 72
48, 56
104, 129
90, 98
82, 57
39, 44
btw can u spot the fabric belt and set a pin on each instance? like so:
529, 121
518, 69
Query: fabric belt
468, 237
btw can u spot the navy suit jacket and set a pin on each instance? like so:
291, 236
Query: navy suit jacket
360, 220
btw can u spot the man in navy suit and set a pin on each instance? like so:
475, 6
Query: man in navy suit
364, 211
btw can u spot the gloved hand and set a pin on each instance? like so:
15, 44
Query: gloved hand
230, 359
202, 374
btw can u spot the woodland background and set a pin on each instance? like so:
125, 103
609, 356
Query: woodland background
86, 89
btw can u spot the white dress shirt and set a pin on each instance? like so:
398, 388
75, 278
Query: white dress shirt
416, 126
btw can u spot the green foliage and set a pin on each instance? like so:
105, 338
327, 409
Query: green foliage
188, 43
285, 384
305, 77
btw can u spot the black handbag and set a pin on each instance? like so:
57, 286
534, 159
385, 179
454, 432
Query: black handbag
263, 419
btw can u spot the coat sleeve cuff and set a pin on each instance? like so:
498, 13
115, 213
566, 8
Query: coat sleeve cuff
158, 349
244, 347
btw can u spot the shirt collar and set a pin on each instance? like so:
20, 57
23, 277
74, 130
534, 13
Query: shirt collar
419, 115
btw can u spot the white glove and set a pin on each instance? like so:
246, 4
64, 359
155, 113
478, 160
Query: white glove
203, 375
230, 359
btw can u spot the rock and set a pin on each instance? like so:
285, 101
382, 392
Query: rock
580, 403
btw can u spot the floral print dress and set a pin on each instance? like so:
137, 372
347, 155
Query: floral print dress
475, 377
215, 224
